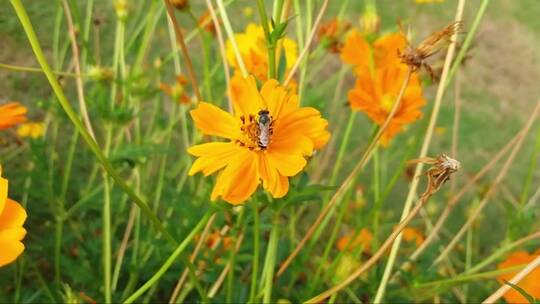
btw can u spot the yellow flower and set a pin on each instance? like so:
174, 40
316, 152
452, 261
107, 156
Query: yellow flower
12, 217
269, 137
31, 129
254, 53
370, 21
11, 114
247, 11
529, 283
375, 95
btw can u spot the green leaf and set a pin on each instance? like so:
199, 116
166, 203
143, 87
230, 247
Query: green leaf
529, 298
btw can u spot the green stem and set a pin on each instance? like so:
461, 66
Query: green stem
270, 260
471, 33
170, 260
528, 179
270, 44
342, 148
255, 267
62, 99
232, 257
107, 240
464, 278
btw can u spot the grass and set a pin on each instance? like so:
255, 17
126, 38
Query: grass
87, 240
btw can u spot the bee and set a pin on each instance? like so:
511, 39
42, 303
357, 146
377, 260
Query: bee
265, 129
416, 56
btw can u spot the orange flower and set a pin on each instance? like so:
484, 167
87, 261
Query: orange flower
529, 283
412, 234
254, 53
330, 34
386, 48
384, 52
363, 239
11, 114
375, 95
12, 217
269, 135
177, 91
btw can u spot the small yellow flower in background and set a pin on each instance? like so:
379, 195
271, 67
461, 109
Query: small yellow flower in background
31, 129
531, 283
12, 217
254, 53
412, 234
11, 114
247, 11
121, 8
177, 91
370, 21
375, 96
363, 239
269, 137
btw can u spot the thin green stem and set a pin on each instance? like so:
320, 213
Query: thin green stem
343, 147
471, 34
270, 43
530, 174
62, 99
170, 260
255, 261
270, 260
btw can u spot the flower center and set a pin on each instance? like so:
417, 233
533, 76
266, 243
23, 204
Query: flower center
387, 102
256, 130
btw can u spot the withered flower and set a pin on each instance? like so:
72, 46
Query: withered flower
442, 167
416, 56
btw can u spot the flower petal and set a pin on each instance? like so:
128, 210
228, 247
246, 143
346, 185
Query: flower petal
239, 180
3, 192
286, 164
245, 95
212, 156
356, 50
10, 252
309, 122
11, 114
12, 216
212, 120
273, 181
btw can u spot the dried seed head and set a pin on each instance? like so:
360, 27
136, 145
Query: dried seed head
416, 56
442, 167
